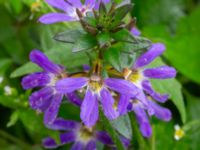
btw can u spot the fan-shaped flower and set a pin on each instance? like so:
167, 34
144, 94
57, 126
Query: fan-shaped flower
68, 8
47, 99
98, 89
84, 138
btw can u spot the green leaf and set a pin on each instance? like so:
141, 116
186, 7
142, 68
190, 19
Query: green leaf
69, 36
84, 42
112, 56
103, 38
120, 14
123, 126
108, 127
183, 47
13, 119
5, 64
171, 87
25, 69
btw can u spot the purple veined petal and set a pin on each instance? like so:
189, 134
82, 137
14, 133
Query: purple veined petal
78, 146
163, 72
90, 3
161, 112
52, 112
149, 90
49, 143
91, 145
75, 3
104, 138
108, 103
62, 124
135, 31
142, 118
59, 4
42, 60
125, 141
122, 86
142, 98
145, 59
40, 98
74, 99
123, 104
51, 18
69, 85
89, 109
67, 137
38, 79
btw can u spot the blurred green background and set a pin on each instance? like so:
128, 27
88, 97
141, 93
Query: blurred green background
173, 22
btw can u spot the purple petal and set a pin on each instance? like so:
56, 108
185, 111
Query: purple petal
38, 79
91, 145
67, 137
42, 60
62, 124
123, 104
163, 72
157, 96
59, 4
104, 138
78, 146
40, 98
52, 112
74, 99
51, 18
69, 85
86, 68
90, 3
125, 141
75, 3
49, 143
135, 31
108, 104
161, 112
89, 109
155, 51
142, 98
122, 86
142, 119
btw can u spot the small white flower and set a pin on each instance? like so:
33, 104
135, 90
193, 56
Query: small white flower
7, 90
1, 79
179, 132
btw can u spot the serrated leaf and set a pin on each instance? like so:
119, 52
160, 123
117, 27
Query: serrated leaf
171, 87
69, 36
84, 42
123, 126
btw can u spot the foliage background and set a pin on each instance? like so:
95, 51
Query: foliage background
173, 22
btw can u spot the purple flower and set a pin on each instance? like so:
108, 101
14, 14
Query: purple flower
98, 89
82, 136
68, 8
135, 31
47, 99
139, 76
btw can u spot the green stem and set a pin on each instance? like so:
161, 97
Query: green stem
138, 140
153, 138
13, 139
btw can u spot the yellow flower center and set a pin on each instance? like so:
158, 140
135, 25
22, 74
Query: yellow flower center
133, 76
179, 133
85, 133
95, 84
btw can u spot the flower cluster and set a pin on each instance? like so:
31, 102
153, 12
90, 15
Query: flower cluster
116, 96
